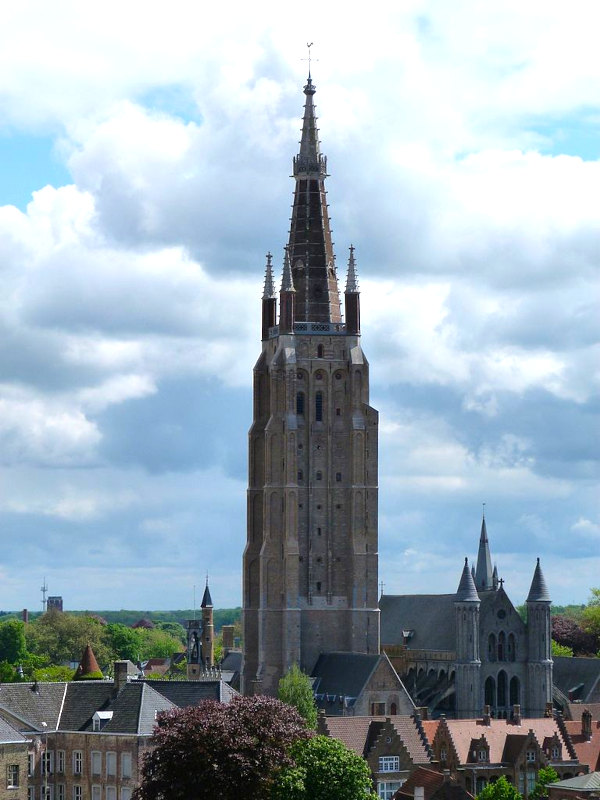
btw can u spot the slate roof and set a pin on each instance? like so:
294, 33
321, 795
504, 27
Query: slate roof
82, 699
30, 704
430, 616
466, 592
343, 673
464, 731
190, 693
589, 782
206, 599
8, 734
577, 678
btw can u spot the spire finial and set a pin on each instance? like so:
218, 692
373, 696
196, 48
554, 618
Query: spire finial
352, 279
309, 59
483, 514
269, 289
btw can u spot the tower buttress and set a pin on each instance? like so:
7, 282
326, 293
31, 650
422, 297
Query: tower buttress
468, 663
539, 645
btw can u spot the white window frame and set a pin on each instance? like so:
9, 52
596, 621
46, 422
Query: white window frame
96, 762
387, 789
48, 762
110, 793
77, 763
96, 791
47, 791
12, 776
31, 793
482, 755
60, 762
30, 765
77, 792
126, 765
389, 763
555, 753
111, 764
60, 791
530, 756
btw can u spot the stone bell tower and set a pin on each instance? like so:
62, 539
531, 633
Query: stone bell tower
310, 562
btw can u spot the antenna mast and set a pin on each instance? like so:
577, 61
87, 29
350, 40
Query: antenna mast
44, 591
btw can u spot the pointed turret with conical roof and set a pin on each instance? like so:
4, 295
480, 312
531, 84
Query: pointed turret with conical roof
539, 645
538, 592
468, 663
466, 592
484, 576
208, 628
88, 668
310, 244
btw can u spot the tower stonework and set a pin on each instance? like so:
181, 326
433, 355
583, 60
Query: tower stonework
310, 563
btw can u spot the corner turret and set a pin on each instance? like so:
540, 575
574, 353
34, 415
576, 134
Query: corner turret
539, 642
468, 663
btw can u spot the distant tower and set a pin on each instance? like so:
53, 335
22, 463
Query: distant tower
468, 663
194, 649
55, 603
310, 563
539, 633
484, 575
208, 631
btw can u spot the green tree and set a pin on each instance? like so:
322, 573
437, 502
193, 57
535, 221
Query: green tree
324, 769
174, 629
546, 775
295, 689
561, 649
12, 641
8, 674
590, 616
124, 642
155, 643
52, 674
499, 790
62, 637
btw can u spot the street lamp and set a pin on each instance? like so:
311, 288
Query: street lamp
45, 760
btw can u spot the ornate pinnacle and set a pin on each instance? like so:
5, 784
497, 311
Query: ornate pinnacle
269, 290
287, 281
352, 279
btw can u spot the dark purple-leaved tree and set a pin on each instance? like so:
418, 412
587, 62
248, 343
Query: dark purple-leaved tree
220, 750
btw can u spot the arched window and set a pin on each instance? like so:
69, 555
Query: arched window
490, 692
512, 652
492, 647
300, 404
501, 646
320, 351
319, 407
393, 709
515, 693
502, 689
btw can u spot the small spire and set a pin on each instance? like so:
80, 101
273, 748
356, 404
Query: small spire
269, 290
538, 593
287, 282
483, 573
352, 279
466, 592
206, 598
495, 577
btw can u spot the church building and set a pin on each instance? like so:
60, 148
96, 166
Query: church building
310, 563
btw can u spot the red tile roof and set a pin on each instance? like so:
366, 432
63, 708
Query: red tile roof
588, 752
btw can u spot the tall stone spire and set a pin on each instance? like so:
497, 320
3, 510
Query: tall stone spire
269, 300
352, 297
287, 295
310, 246
484, 575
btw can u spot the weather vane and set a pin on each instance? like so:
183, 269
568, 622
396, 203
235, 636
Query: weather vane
310, 58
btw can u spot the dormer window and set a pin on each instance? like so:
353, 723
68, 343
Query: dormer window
530, 755
482, 755
100, 719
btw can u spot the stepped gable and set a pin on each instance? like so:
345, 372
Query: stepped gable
27, 705
463, 732
430, 727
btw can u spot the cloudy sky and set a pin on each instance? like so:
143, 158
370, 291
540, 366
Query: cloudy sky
146, 151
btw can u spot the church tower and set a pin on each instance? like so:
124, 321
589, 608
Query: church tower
310, 563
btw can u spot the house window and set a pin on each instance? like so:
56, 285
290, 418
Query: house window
125, 793
77, 792
96, 762
389, 763
319, 407
48, 762
125, 765
530, 756
30, 764
60, 761
387, 789
31, 793
530, 780
443, 754
111, 765
77, 766
96, 792
110, 793
482, 755
555, 753
12, 776
60, 791
377, 709
47, 792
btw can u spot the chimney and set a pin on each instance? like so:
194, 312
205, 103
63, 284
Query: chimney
586, 724
227, 631
487, 716
517, 714
419, 793
120, 675
549, 710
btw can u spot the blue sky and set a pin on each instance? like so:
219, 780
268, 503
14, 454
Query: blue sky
146, 161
